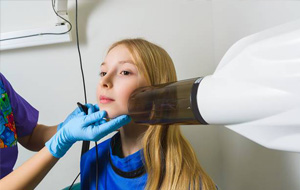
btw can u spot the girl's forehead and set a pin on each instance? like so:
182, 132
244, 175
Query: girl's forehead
117, 54
119, 49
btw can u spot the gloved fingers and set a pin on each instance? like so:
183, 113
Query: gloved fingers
102, 121
90, 110
114, 124
79, 115
75, 112
120, 120
94, 117
90, 106
96, 132
96, 106
59, 126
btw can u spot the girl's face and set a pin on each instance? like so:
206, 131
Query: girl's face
119, 77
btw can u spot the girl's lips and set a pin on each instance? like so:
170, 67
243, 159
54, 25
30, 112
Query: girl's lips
105, 100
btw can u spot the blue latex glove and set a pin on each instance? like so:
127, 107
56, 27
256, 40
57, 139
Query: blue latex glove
91, 127
74, 114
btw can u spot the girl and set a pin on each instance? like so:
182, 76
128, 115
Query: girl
140, 157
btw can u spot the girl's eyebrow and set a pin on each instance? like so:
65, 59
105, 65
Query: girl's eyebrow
120, 62
126, 61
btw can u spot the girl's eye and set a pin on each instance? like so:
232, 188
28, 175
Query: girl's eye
102, 74
125, 73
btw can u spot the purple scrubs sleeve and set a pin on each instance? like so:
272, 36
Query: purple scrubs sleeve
17, 119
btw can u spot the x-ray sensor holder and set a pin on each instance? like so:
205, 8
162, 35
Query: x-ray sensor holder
168, 103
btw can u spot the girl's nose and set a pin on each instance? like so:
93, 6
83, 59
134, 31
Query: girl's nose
106, 82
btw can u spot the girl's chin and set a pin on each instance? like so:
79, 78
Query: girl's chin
111, 115
112, 111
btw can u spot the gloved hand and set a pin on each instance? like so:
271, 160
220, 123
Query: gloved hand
91, 127
74, 114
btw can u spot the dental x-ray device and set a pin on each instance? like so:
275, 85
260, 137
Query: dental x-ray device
255, 91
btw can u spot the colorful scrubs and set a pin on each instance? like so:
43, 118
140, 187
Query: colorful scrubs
17, 119
115, 172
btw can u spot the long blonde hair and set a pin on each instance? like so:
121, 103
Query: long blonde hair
170, 161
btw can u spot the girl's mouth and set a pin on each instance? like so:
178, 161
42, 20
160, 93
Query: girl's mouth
105, 100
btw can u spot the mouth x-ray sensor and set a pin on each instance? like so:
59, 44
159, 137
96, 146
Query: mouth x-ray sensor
255, 91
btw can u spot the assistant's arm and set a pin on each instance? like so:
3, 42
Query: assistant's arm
39, 136
29, 175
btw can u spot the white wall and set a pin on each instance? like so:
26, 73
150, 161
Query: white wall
196, 33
